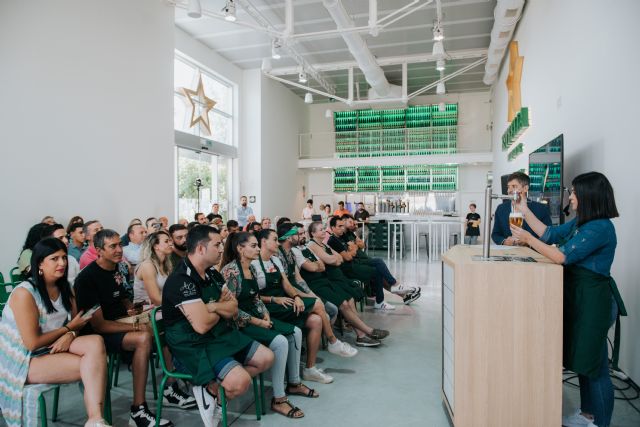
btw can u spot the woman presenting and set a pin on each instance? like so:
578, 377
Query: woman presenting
586, 247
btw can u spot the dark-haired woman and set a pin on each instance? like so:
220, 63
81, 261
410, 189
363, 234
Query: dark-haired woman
38, 343
586, 247
33, 236
285, 340
74, 220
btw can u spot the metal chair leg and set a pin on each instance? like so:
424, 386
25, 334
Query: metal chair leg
257, 398
223, 404
42, 405
152, 374
159, 399
56, 396
264, 408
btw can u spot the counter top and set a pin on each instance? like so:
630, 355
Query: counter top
463, 254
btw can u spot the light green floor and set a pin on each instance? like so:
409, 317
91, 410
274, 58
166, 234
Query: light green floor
395, 385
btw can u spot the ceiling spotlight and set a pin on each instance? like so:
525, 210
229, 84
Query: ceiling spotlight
440, 89
438, 49
194, 10
229, 11
440, 65
276, 49
441, 107
266, 65
302, 77
328, 113
308, 98
438, 32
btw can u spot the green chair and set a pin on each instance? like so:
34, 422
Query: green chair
158, 333
114, 371
34, 395
5, 290
1, 277
15, 275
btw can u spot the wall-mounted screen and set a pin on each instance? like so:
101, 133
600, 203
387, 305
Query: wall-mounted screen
546, 172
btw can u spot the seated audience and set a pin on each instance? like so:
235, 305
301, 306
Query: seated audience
265, 223
200, 218
153, 224
77, 240
74, 220
165, 223
102, 283
24, 260
198, 314
125, 238
48, 220
57, 232
136, 233
39, 346
233, 226
253, 227
91, 228
178, 234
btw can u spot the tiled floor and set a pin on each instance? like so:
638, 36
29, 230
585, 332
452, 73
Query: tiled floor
395, 385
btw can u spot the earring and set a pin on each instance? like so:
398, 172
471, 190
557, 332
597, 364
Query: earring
40, 272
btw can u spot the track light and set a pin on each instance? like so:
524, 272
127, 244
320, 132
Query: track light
195, 10
438, 32
229, 11
440, 65
266, 65
276, 49
440, 89
302, 77
438, 49
308, 98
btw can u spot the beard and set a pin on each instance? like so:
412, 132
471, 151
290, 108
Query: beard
181, 248
302, 241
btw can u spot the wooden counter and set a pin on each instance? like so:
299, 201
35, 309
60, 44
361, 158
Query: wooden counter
501, 340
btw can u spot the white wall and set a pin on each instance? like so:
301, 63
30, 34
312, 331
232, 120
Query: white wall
86, 114
580, 79
250, 149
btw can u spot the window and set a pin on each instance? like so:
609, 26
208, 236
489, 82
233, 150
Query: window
186, 74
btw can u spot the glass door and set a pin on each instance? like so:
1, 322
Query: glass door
203, 179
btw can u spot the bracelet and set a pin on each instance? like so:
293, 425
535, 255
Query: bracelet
67, 328
297, 296
73, 333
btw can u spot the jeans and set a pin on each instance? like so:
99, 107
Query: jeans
470, 240
383, 270
596, 394
287, 357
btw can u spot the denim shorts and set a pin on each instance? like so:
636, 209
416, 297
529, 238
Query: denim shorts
224, 366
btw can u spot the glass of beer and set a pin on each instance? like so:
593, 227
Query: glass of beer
516, 219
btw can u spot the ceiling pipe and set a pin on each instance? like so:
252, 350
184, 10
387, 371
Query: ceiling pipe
506, 16
359, 49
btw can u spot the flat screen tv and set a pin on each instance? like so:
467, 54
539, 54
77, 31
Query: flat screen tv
546, 173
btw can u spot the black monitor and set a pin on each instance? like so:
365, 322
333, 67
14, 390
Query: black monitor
546, 173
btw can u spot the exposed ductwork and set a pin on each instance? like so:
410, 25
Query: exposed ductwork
506, 15
373, 73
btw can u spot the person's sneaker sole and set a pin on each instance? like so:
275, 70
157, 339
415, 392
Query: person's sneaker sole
368, 344
166, 404
411, 298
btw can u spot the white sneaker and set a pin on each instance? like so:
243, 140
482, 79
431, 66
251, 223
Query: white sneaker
577, 420
402, 290
383, 306
206, 405
342, 348
317, 375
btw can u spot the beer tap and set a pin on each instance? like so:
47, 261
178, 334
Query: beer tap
488, 199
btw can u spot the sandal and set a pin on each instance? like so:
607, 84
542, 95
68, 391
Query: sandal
294, 412
310, 392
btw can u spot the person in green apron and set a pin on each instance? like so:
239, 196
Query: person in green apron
284, 302
203, 336
287, 241
254, 320
355, 270
313, 269
586, 247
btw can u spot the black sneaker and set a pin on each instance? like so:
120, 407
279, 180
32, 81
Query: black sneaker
379, 334
141, 416
367, 341
409, 298
175, 397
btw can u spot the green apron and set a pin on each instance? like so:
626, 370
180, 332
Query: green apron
273, 287
321, 285
246, 302
200, 353
587, 318
337, 276
357, 270
291, 270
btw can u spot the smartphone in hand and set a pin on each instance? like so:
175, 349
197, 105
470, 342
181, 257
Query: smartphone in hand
90, 312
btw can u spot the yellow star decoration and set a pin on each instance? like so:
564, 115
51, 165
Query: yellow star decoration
201, 100
513, 80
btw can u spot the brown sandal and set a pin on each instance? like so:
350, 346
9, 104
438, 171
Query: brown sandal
294, 412
310, 393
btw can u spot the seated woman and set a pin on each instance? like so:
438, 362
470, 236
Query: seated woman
313, 270
284, 339
287, 303
24, 259
38, 345
592, 303
150, 276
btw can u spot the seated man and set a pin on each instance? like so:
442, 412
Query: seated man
233, 226
365, 273
101, 283
136, 233
178, 233
200, 335
90, 254
518, 182
408, 294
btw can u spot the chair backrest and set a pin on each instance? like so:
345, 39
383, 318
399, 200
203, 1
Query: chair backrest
158, 333
5, 290
15, 274
1, 277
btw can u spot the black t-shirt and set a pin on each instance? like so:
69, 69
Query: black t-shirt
472, 231
361, 215
95, 285
337, 244
184, 286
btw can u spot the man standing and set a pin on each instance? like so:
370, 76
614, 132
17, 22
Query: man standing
518, 182
198, 313
178, 233
361, 215
341, 210
136, 233
101, 283
243, 212
91, 228
473, 226
77, 243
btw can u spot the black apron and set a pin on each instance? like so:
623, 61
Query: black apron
337, 275
273, 287
291, 270
320, 284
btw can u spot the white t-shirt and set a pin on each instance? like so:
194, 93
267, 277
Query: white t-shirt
55, 319
307, 212
268, 265
73, 269
297, 253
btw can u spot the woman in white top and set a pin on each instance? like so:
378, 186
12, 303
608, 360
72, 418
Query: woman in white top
39, 346
150, 276
307, 212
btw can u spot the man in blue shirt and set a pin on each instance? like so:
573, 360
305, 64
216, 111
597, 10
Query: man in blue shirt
518, 182
243, 212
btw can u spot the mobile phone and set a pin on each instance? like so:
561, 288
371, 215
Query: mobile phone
90, 312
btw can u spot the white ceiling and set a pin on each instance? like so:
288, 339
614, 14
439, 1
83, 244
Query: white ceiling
467, 25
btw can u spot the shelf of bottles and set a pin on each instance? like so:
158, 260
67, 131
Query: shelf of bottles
415, 131
396, 178
547, 174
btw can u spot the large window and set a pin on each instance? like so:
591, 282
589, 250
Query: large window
187, 74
